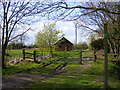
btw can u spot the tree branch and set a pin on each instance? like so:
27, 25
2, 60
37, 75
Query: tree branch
90, 8
20, 34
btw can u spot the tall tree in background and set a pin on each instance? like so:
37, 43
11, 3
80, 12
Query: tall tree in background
95, 14
48, 36
113, 25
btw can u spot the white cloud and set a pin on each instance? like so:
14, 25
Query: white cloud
36, 27
66, 27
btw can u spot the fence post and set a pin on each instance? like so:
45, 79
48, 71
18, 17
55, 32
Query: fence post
106, 56
80, 57
64, 54
35, 56
95, 56
42, 52
23, 54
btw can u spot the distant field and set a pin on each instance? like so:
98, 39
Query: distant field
12, 54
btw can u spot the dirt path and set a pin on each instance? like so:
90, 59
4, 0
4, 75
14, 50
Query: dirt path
21, 80
24, 79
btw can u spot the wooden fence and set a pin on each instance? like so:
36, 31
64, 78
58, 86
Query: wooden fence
35, 54
29, 55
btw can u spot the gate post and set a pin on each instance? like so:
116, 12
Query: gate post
35, 56
95, 56
23, 54
42, 53
80, 57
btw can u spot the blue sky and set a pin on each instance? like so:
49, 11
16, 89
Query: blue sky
67, 27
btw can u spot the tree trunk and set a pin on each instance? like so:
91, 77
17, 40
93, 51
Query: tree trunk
3, 57
4, 47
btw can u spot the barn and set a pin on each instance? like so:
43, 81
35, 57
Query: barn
63, 45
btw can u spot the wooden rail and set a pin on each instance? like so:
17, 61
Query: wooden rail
35, 54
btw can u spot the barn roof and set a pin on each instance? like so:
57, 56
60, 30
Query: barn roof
63, 41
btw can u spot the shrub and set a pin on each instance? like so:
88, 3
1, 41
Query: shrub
97, 44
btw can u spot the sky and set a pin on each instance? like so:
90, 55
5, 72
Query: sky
67, 27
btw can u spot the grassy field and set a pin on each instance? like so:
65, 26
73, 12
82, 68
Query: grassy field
74, 75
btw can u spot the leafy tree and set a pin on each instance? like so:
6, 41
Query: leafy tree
97, 44
81, 46
16, 46
48, 36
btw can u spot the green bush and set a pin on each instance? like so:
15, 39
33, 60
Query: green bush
97, 44
95, 69
112, 70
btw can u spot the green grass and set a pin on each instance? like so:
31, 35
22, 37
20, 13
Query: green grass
79, 76
14, 54
18, 54
46, 70
12, 69
96, 69
52, 66
110, 57
88, 53
75, 76
67, 82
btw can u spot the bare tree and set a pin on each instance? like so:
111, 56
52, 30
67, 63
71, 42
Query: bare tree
93, 8
16, 16
113, 24
95, 14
